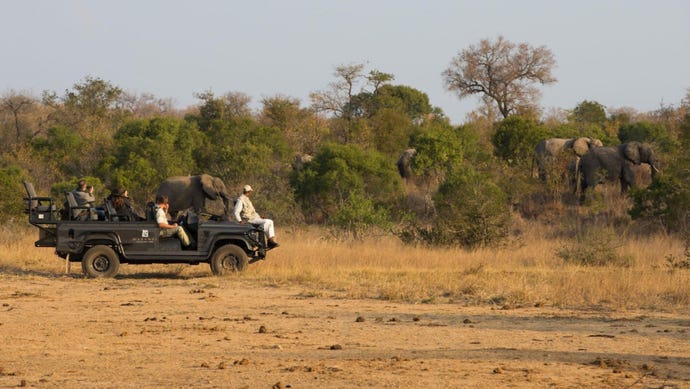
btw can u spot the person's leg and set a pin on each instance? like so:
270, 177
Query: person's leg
269, 229
167, 232
182, 234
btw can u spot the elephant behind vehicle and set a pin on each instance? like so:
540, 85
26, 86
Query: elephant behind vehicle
194, 192
616, 163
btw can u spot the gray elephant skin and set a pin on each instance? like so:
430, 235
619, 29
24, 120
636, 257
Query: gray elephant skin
548, 149
193, 192
615, 163
404, 163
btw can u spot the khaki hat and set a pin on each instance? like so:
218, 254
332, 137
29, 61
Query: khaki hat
247, 188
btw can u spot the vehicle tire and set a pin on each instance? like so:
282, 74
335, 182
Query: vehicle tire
228, 259
100, 262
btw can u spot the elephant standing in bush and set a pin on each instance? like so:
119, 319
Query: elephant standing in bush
548, 149
615, 163
404, 163
193, 192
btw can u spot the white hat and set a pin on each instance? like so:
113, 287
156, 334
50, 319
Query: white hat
247, 188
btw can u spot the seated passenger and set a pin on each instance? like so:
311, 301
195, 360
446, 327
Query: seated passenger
119, 198
83, 194
168, 229
84, 197
244, 212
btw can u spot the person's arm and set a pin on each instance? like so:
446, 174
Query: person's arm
81, 198
163, 221
238, 210
90, 199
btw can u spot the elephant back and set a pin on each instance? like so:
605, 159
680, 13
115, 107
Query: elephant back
180, 191
200, 192
551, 147
582, 145
631, 152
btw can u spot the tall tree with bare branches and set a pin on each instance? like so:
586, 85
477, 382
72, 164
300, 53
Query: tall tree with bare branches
502, 72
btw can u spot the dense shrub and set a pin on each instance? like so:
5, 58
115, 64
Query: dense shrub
515, 139
342, 174
666, 201
472, 210
147, 152
594, 247
12, 189
358, 216
644, 131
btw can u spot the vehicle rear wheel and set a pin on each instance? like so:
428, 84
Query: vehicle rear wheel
100, 262
228, 259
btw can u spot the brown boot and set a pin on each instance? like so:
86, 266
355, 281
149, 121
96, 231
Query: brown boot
272, 244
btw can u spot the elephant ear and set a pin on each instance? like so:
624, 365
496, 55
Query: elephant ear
631, 151
581, 146
207, 186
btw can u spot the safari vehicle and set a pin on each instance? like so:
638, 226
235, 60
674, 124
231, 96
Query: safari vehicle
102, 242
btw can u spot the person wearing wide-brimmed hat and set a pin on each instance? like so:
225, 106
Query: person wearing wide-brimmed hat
119, 198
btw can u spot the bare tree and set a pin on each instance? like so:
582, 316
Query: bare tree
336, 99
501, 72
144, 105
237, 105
303, 129
15, 104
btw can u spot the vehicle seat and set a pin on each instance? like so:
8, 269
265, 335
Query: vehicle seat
151, 211
35, 202
39, 208
110, 211
76, 212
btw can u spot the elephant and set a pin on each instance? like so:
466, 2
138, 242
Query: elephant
615, 163
193, 192
548, 149
301, 160
404, 162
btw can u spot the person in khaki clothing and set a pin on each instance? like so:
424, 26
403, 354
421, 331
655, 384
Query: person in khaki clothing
168, 229
244, 212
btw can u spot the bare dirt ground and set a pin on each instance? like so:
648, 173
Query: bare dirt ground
152, 330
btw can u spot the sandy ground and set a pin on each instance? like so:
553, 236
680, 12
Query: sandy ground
152, 330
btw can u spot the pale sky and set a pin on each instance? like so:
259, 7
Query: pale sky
632, 53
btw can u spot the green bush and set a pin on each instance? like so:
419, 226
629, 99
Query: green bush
472, 210
644, 131
12, 203
666, 201
515, 139
58, 189
148, 151
594, 247
359, 216
342, 174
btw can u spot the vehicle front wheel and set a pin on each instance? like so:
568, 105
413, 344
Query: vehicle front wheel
228, 259
100, 262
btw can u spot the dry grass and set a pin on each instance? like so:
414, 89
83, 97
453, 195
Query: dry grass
526, 273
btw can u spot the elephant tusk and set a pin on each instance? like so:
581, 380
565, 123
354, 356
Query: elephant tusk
656, 169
